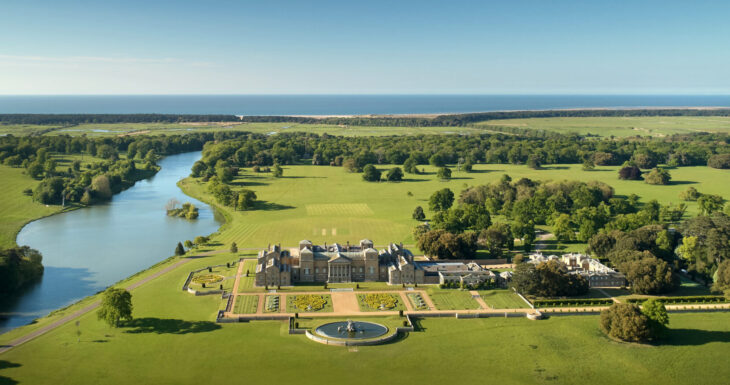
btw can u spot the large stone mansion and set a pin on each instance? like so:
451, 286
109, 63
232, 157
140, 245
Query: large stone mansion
336, 263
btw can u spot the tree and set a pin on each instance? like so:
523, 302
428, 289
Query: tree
719, 161
198, 169
200, 240
655, 311
395, 174
116, 305
588, 165
657, 176
444, 173
246, 199
690, 194
101, 187
548, 279
563, 228
533, 162
411, 165
189, 244
710, 203
625, 322
234, 247
179, 250
629, 173
370, 173
35, 170
649, 275
277, 171
722, 278
437, 160
86, 198
441, 200
418, 214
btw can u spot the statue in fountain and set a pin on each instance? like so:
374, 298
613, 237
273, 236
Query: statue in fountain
351, 326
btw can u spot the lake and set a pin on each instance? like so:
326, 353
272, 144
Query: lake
86, 250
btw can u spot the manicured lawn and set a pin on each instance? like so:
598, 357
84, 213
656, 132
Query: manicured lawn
247, 283
371, 302
168, 348
292, 308
452, 299
246, 304
502, 299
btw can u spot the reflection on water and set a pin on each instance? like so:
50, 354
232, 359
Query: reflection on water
86, 250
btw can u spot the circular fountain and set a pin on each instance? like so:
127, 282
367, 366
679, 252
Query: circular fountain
351, 333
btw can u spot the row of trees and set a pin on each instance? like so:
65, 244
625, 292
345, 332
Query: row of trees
354, 153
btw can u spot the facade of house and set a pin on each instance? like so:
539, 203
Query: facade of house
597, 274
336, 263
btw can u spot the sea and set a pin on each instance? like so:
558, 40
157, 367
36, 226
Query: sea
337, 104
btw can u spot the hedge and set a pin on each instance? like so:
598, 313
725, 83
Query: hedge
572, 302
681, 300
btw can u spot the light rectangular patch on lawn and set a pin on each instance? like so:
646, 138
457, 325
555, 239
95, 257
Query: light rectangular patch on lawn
339, 209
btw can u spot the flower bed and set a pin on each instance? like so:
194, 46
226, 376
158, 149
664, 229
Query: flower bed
207, 278
379, 301
309, 302
572, 302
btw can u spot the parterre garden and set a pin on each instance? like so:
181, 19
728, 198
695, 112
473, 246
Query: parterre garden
308, 303
379, 301
246, 304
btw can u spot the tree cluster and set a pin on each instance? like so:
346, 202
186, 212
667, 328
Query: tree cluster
548, 279
19, 266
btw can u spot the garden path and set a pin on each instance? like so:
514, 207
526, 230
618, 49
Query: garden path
478, 298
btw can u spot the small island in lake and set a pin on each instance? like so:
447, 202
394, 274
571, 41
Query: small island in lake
187, 211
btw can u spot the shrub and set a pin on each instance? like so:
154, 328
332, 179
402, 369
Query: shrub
625, 322
719, 161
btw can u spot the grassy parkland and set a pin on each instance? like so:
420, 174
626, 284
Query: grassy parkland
174, 337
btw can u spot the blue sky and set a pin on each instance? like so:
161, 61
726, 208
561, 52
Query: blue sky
368, 47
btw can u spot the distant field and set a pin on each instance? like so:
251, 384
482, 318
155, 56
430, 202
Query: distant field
116, 129
620, 126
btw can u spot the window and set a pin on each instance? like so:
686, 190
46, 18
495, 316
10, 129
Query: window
372, 270
316, 269
306, 271
361, 270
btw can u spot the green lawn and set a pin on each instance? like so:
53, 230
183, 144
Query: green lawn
246, 284
502, 299
452, 299
620, 126
173, 350
246, 304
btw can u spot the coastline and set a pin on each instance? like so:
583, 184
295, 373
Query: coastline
437, 114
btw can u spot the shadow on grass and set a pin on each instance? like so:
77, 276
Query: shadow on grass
271, 206
680, 182
247, 183
169, 326
690, 337
414, 180
7, 380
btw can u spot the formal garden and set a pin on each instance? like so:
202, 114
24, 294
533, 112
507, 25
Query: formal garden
309, 303
379, 302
